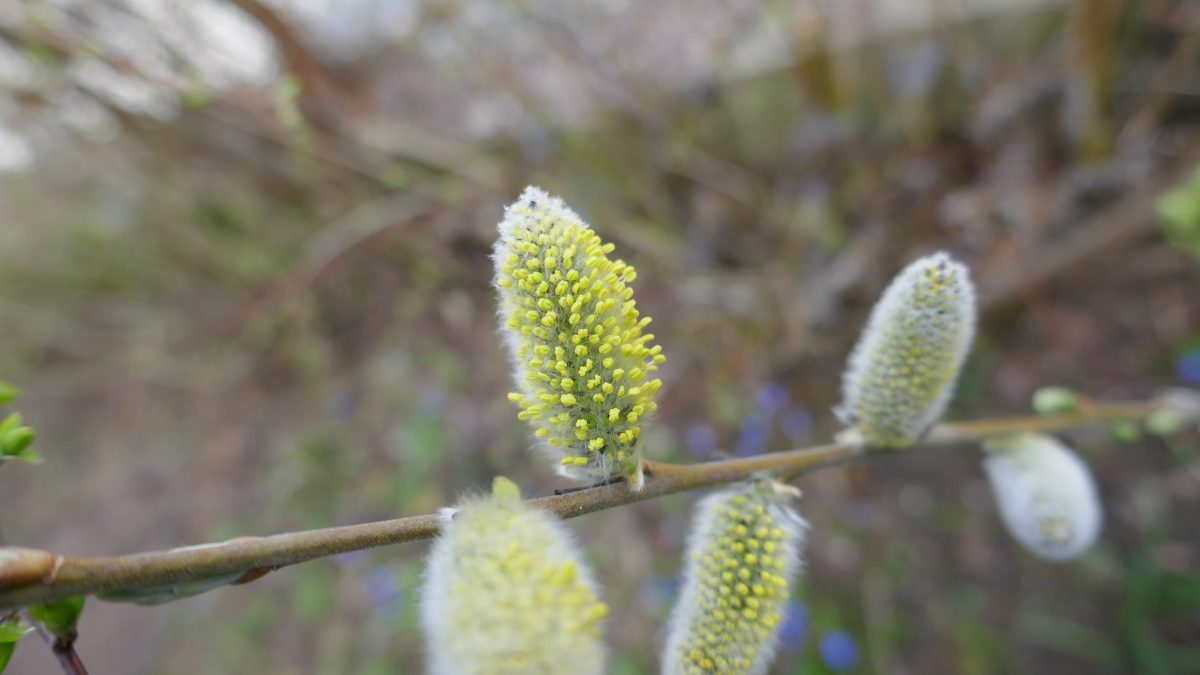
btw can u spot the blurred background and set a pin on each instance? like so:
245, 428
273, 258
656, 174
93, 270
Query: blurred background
244, 282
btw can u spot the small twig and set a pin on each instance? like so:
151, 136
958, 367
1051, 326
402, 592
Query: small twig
1110, 231
81, 576
63, 648
294, 52
68, 658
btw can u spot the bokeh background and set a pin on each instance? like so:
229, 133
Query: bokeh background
244, 282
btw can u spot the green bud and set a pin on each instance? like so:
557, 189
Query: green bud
59, 617
1124, 431
14, 441
1055, 401
1164, 422
8, 393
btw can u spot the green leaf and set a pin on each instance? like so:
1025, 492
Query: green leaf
13, 630
1055, 400
8, 393
11, 422
59, 617
14, 441
28, 455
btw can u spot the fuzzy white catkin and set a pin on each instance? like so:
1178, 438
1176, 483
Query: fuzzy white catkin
743, 555
902, 371
507, 592
1046, 494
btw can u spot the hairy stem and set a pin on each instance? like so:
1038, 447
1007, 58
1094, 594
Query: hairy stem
29, 576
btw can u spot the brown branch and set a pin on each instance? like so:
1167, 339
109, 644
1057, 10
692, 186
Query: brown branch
1109, 232
63, 577
294, 53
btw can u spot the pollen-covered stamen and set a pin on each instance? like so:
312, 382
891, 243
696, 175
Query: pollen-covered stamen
1046, 494
743, 555
584, 366
507, 592
902, 371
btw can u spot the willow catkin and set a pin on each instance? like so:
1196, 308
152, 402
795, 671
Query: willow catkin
903, 369
507, 592
583, 366
742, 559
1046, 494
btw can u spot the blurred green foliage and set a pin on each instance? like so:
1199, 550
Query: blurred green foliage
1179, 210
15, 437
12, 629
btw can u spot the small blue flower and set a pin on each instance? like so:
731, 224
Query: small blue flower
797, 424
351, 559
753, 435
1187, 367
772, 397
658, 591
383, 592
795, 626
434, 400
701, 440
838, 651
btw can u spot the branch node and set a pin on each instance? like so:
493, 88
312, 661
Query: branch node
52, 575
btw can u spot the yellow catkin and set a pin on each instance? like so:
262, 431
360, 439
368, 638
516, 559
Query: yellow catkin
902, 371
583, 365
742, 559
507, 592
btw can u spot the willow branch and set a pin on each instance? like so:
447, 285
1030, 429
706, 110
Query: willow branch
29, 576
